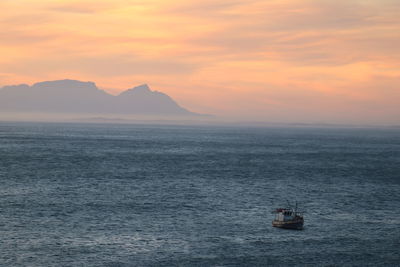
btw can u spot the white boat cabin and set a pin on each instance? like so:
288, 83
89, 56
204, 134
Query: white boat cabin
284, 215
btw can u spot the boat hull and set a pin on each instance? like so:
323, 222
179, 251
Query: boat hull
295, 225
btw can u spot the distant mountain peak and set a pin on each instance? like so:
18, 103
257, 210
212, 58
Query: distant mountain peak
66, 83
141, 90
72, 96
142, 87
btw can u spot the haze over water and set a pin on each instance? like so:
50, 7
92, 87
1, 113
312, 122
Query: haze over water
135, 195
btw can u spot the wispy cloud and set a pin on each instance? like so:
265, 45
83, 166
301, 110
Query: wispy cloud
214, 54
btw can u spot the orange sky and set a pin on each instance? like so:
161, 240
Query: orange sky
281, 61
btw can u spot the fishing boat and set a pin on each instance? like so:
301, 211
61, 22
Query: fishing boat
288, 218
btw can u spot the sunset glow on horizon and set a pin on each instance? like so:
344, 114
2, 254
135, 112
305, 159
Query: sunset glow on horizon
279, 61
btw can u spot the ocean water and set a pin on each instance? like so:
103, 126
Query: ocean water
148, 195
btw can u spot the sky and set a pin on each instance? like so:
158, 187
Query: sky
311, 61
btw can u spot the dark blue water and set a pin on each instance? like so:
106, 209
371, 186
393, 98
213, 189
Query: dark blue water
134, 195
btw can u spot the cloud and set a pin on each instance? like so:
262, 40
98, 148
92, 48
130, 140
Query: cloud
86, 7
272, 51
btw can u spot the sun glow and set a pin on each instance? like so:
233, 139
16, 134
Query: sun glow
292, 60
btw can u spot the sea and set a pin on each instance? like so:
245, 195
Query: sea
74, 194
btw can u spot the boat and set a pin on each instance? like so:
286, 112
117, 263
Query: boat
288, 218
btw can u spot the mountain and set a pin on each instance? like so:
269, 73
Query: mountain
71, 96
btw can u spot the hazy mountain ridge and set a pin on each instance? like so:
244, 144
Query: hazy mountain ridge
71, 96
